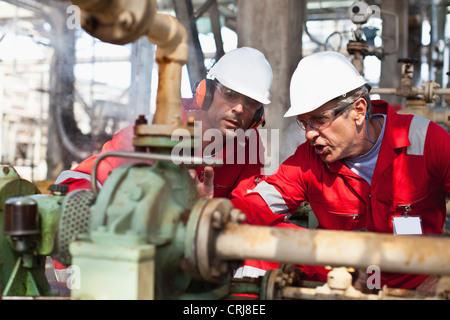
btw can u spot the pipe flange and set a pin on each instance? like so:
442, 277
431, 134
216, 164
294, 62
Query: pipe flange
272, 285
429, 88
207, 219
275, 280
214, 216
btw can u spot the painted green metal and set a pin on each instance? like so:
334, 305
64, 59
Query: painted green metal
139, 243
112, 272
139, 205
21, 274
49, 208
164, 142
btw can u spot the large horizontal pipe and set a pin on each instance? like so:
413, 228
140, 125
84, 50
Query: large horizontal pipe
404, 254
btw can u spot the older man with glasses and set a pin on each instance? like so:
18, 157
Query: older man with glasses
362, 164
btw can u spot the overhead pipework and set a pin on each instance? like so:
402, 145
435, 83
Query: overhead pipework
121, 22
418, 99
359, 13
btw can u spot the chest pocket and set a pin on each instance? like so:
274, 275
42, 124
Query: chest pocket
336, 213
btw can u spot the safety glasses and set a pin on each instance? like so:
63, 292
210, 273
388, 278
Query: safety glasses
235, 97
323, 120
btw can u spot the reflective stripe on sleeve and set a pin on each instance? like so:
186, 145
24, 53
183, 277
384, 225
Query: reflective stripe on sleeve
273, 198
68, 174
417, 134
248, 271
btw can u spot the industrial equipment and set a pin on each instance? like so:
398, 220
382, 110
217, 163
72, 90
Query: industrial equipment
22, 250
147, 235
359, 13
417, 99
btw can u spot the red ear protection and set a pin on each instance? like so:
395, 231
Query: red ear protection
204, 93
258, 118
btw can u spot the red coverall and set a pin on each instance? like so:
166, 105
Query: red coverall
413, 169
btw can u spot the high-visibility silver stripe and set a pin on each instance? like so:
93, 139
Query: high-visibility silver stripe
417, 134
273, 198
68, 174
248, 271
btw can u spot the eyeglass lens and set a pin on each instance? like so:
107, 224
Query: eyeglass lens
234, 97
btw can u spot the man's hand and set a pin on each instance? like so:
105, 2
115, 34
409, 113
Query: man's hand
206, 188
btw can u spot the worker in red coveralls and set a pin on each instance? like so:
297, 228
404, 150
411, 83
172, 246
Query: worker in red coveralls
363, 166
229, 102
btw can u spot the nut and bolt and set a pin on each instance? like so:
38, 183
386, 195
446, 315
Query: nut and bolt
126, 20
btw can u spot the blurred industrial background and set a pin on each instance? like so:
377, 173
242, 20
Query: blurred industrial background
64, 93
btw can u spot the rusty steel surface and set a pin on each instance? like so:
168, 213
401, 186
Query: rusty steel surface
122, 22
409, 254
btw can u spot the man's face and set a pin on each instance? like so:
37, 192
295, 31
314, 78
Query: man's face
230, 111
332, 132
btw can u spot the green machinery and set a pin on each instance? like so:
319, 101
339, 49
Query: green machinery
22, 248
137, 239
141, 241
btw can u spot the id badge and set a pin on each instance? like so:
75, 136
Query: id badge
407, 225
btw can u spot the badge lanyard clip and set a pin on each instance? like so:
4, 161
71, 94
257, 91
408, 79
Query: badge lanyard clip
407, 208
407, 225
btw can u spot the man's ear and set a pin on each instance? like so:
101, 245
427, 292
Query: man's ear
360, 110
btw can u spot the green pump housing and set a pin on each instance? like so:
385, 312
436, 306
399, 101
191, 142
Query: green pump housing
26, 235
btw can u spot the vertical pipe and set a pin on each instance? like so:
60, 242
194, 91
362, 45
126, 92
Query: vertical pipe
171, 54
121, 22
435, 73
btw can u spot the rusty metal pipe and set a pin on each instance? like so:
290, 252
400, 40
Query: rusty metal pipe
121, 22
392, 91
413, 92
116, 21
404, 254
171, 54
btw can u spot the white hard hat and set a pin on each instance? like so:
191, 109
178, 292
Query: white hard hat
245, 70
319, 78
